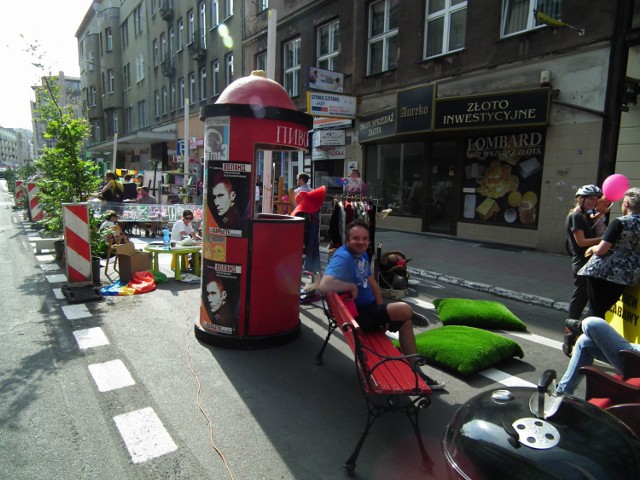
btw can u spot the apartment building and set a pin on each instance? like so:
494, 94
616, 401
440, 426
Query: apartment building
473, 119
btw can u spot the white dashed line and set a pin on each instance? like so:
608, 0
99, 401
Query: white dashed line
111, 375
505, 378
57, 292
45, 258
74, 312
144, 435
90, 338
532, 337
49, 267
60, 278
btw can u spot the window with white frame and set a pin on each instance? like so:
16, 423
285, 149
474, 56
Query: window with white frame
181, 92
126, 74
165, 98
261, 61
228, 8
140, 68
383, 36
203, 83
111, 81
228, 62
124, 33
108, 35
142, 115
180, 34
291, 64
163, 47
445, 25
215, 13
155, 50
518, 16
93, 94
191, 26
215, 74
202, 27
153, 7
137, 20
156, 95
328, 45
172, 96
192, 88
262, 5
172, 44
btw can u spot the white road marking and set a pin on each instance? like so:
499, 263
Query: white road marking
74, 312
144, 435
45, 258
532, 337
58, 293
111, 375
504, 378
59, 278
419, 303
49, 267
90, 338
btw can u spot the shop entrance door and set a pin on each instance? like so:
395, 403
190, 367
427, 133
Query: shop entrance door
441, 176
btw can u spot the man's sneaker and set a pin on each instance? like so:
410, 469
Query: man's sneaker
433, 384
572, 330
419, 320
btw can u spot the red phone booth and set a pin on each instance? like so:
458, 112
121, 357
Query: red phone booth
252, 262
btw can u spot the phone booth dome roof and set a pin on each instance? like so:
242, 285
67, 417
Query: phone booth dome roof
257, 89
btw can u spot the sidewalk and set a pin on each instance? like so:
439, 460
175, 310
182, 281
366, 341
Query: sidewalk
513, 272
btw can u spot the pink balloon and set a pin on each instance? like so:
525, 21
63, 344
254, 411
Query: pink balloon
614, 187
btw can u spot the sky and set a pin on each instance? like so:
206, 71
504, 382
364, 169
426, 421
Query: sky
53, 25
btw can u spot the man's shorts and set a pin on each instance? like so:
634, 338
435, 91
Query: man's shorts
376, 317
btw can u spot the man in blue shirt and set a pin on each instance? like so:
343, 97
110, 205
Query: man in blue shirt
349, 272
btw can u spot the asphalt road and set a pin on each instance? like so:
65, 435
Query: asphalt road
188, 410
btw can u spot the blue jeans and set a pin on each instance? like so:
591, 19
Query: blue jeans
598, 341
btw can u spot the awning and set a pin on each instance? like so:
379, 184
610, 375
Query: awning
137, 141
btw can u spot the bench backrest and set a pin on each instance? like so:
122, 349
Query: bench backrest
384, 368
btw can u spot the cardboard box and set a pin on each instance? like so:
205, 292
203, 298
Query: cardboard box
131, 260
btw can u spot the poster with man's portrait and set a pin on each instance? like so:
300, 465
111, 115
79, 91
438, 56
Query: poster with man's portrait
221, 284
228, 197
216, 138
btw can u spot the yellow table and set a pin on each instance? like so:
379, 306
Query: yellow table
179, 256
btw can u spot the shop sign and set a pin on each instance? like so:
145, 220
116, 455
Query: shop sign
322, 122
323, 138
325, 80
195, 142
502, 179
491, 111
415, 109
331, 105
378, 125
328, 153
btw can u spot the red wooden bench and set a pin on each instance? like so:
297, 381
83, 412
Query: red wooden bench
389, 383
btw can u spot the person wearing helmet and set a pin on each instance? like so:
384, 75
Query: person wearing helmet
580, 237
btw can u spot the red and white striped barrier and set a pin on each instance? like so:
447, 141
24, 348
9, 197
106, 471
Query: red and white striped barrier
34, 202
19, 193
77, 246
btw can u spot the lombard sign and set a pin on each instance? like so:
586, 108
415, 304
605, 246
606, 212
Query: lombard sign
490, 111
328, 153
415, 109
325, 80
377, 125
331, 105
323, 138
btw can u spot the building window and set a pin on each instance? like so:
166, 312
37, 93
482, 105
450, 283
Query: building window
383, 36
181, 93
128, 116
228, 61
202, 27
93, 93
517, 15
192, 88
172, 96
261, 61
180, 33
115, 122
124, 33
292, 66
262, 5
156, 96
203, 83
215, 14
163, 48
126, 74
228, 8
165, 98
328, 45
445, 25
172, 44
153, 7
215, 73
140, 68
96, 132
191, 26
142, 118
109, 39
156, 60
137, 20
111, 81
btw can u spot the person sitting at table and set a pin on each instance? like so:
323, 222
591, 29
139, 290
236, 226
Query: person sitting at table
146, 198
108, 227
113, 190
184, 228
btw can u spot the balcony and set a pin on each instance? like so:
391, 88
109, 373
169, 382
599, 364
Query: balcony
198, 45
168, 69
166, 12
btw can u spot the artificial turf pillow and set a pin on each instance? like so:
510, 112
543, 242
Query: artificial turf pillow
477, 313
465, 350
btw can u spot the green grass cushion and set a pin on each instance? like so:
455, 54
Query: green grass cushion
477, 313
465, 350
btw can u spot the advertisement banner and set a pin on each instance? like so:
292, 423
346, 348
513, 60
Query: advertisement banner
331, 105
228, 196
328, 153
502, 179
624, 316
216, 145
329, 138
325, 80
221, 287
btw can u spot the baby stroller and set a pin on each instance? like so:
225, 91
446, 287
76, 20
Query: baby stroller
392, 275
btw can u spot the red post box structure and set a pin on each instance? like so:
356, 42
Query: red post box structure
252, 262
